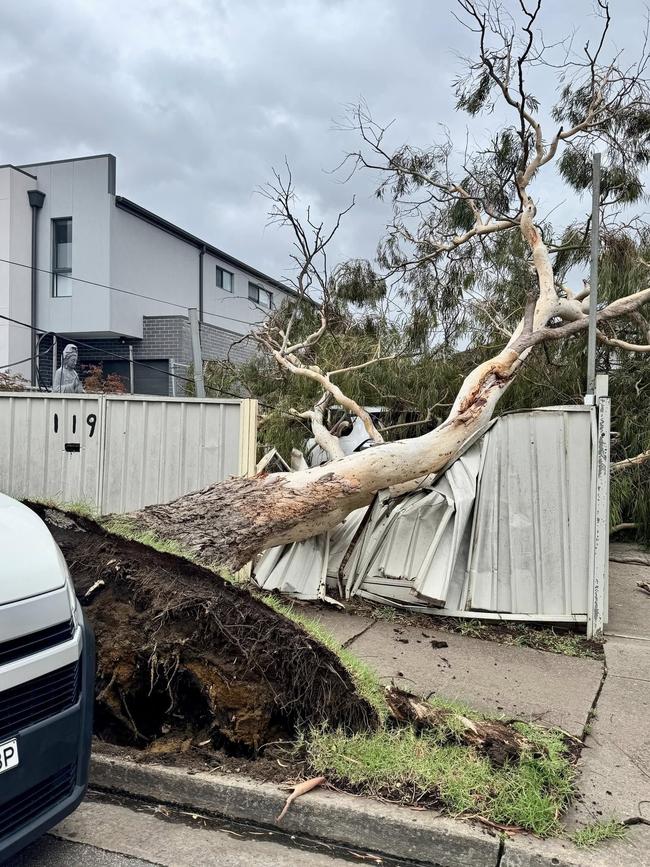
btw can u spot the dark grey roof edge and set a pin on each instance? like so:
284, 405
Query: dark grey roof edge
18, 169
138, 211
69, 160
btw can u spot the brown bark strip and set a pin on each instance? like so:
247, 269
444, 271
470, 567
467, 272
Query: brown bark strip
300, 789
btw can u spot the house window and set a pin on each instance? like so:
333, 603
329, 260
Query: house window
62, 257
260, 296
225, 279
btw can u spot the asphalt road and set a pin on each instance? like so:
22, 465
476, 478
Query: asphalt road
107, 833
51, 852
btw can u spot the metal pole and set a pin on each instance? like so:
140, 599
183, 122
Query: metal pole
172, 373
131, 370
593, 294
597, 607
196, 352
34, 287
55, 352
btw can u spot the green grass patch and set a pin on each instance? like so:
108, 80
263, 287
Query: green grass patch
84, 510
364, 678
434, 768
598, 832
127, 529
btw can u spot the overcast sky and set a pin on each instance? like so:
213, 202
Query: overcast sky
198, 99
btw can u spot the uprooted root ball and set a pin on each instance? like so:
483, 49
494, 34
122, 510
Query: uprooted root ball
181, 650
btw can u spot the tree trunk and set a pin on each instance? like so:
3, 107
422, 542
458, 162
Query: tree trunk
230, 522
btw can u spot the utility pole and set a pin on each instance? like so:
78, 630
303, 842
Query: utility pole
593, 281
196, 352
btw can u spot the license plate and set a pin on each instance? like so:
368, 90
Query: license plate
8, 755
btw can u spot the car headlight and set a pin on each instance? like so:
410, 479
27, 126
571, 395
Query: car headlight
69, 586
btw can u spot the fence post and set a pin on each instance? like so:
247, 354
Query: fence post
599, 567
248, 437
196, 352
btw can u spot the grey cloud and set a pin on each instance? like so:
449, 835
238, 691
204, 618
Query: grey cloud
199, 98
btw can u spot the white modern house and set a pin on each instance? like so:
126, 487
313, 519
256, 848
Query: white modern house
83, 265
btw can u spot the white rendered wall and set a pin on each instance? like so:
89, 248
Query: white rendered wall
15, 281
77, 189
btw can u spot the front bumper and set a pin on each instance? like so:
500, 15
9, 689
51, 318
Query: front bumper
52, 777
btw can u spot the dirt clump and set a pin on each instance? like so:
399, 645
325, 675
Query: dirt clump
185, 657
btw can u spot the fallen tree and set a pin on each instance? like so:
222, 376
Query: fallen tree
446, 209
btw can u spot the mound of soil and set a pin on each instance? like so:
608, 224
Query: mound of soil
182, 653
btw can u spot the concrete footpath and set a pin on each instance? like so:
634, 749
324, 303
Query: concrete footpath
607, 703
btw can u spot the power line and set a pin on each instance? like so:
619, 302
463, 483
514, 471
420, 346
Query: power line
23, 360
14, 363
127, 291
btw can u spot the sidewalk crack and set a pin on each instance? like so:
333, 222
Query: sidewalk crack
502, 850
353, 638
591, 713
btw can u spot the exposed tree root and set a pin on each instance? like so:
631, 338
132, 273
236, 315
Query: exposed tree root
182, 652
497, 740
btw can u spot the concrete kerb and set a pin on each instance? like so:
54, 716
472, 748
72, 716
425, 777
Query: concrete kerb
355, 822
425, 837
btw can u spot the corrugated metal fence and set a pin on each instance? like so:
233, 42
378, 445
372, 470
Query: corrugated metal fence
118, 453
515, 528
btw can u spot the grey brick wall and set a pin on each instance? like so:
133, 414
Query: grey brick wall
219, 344
166, 337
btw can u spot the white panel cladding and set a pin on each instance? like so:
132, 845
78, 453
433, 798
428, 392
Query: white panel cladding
156, 450
117, 453
50, 446
530, 545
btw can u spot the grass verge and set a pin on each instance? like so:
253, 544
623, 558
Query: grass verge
432, 769
598, 832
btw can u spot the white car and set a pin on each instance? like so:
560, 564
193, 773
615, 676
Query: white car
47, 674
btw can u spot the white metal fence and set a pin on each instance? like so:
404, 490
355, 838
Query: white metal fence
118, 453
514, 529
